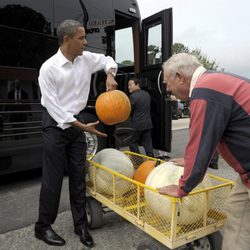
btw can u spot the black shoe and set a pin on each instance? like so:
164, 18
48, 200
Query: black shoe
163, 157
85, 237
49, 236
213, 165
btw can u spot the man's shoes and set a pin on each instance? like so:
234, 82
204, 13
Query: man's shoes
49, 236
213, 165
163, 157
85, 237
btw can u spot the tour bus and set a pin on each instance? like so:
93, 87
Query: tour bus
114, 27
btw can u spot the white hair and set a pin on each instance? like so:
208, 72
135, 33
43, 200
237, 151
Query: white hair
181, 62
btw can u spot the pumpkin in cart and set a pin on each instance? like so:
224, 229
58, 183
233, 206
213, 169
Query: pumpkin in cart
143, 171
114, 160
191, 209
113, 107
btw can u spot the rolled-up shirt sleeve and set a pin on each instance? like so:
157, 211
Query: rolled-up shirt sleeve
100, 62
110, 63
50, 99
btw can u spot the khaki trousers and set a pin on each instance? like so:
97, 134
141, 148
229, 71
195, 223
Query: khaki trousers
237, 228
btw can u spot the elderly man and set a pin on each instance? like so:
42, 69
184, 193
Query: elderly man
220, 108
64, 80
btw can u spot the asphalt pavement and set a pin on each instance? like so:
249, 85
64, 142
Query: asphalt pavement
19, 206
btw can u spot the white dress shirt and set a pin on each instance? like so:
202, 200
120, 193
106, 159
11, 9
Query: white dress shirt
65, 85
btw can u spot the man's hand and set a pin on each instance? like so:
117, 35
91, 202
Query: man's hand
170, 190
178, 161
111, 83
89, 127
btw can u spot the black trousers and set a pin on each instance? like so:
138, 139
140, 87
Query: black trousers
62, 149
142, 138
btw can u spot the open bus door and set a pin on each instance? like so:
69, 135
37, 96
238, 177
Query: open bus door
157, 39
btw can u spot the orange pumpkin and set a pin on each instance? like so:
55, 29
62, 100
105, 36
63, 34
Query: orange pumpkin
143, 171
113, 107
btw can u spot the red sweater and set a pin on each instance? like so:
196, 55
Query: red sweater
220, 116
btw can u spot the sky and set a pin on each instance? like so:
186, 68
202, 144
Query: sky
219, 28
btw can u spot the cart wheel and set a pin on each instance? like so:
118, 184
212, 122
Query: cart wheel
215, 240
210, 242
94, 213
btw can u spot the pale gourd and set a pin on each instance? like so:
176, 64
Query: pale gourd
116, 161
190, 210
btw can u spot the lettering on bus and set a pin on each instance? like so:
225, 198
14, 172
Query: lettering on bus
101, 23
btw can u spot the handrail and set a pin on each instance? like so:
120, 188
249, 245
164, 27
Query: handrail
21, 134
21, 128
21, 123
20, 112
158, 82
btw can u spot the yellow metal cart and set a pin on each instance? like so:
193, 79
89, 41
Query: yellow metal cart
126, 197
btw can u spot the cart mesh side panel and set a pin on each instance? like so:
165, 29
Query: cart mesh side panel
170, 220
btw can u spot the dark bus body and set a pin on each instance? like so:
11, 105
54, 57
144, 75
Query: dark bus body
114, 27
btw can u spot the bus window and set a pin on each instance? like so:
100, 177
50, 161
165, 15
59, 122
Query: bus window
64, 9
154, 45
124, 49
27, 15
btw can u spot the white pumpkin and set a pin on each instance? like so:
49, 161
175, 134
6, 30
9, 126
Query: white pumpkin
116, 161
190, 210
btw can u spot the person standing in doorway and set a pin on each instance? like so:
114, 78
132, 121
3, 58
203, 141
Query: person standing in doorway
140, 118
64, 80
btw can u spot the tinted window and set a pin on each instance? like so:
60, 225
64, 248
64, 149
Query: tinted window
20, 108
25, 28
154, 46
19, 90
25, 48
29, 15
124, 46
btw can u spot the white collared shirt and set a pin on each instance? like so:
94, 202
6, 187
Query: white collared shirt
65, 85
198, 72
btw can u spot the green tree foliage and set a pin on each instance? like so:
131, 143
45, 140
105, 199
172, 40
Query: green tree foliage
179, 48
153, 48
127, 62
208, 63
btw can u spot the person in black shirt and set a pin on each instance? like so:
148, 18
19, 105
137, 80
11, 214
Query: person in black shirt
18, 110
18, 94
140, 118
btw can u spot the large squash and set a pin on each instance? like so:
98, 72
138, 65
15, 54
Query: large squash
113, 107
190, 210
116, 161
